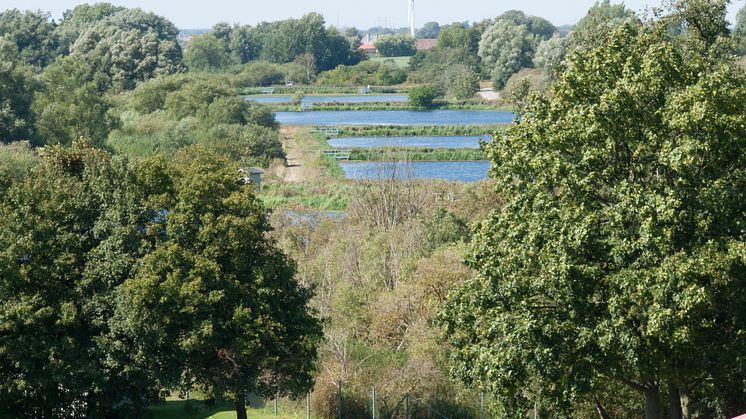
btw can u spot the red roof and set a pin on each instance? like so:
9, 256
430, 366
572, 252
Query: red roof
368, 46
425, 44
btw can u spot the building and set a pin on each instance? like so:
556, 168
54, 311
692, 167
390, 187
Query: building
370, 49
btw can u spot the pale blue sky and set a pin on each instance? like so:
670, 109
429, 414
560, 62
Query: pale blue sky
189, 14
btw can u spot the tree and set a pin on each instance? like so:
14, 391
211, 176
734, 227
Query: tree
70, 232
600, 19
71, 104
739, 30
33, 34
206, 53
396, 45
460, 37
460, 82
223, 309
244, 45
550, 54
505, 48
75, 21
540, 27
618, 256
16, 92
16, 161
130, 46
429, 30
423, 96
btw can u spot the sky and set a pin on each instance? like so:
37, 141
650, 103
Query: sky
198, 14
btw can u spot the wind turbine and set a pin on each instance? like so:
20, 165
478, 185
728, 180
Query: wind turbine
410, 16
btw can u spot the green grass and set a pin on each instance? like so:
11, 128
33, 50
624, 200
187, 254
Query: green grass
322, 196
401, 62
195, 409
417, 130
417, 154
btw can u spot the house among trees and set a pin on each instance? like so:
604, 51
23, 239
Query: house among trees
370, 49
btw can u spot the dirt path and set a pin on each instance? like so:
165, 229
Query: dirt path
294, 170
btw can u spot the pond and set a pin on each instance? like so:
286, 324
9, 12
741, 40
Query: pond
329, 98
436, 117
414, 141
460, 171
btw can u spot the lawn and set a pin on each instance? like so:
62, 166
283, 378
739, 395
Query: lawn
175, 408
401, 62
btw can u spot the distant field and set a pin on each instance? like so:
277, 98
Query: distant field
401, 62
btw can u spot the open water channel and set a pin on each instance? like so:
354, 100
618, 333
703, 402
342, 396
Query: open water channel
413, 141
330, 98
435, 117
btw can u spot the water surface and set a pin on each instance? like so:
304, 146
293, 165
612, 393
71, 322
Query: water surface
436, 117
412, 141
330, 98
461, 171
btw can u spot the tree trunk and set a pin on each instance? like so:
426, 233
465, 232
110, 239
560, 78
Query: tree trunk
674, 402
652, 402
240, 408
684, 397
600, 409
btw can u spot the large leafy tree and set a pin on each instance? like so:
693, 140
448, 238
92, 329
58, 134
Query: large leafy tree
17, 87
505, 48
71, 104
460, 37
206, 53
75, 21
601, 18
216, 305
70, 232
32, 33
130, 46
396, 45
619, 257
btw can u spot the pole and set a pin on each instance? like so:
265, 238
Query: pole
308, 405
339, 399
536, 410
275, 405
374, 402
406, 406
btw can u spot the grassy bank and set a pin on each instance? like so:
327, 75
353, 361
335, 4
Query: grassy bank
321, 195
417, 154
417, 130
319, 90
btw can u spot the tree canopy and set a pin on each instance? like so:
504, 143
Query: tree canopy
618, 259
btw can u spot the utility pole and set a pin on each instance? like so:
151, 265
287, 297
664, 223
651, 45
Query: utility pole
374, 402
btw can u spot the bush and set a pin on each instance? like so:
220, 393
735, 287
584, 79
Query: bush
423, 96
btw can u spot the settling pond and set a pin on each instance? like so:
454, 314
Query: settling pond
415, 141
329, 98
460, 171
436, 117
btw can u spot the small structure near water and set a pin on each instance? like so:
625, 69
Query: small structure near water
252, 175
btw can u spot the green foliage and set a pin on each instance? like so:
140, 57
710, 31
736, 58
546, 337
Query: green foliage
32, 34
71, 232
285, 40
130, 46
459, 37
739, 30
416, 154
363, 74
405, 130
444, 227
550, 55
261, 73
16, 161
429, 30
223, 309
246, 145
206, 53
396, 45
619, 253
539, 27
505, 48
423, 96
141, 137
75, 21
600, 19
460, 82
16, 92
71, 105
